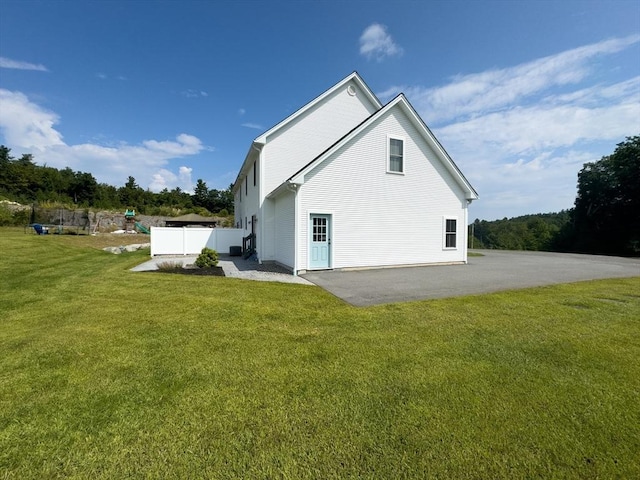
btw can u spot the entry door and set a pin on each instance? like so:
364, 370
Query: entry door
320, 242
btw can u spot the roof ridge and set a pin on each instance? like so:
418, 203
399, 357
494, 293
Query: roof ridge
315, 99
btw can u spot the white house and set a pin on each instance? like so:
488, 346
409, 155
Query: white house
346, 182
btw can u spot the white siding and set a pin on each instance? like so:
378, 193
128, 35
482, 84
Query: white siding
267, 230
285, 229
380, 218
247, 203
296, 144
238, 210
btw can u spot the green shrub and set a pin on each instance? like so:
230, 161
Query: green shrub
13, 218
5, 216
208, 258
223, 213
164, 211
200, 211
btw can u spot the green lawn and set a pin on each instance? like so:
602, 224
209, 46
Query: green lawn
105, 373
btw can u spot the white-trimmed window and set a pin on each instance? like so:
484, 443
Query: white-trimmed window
450, 233
395, 155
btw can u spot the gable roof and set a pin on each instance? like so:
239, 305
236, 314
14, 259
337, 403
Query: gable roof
352, 77
262, 139
429, 137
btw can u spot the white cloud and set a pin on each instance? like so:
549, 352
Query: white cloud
241, 111
164, 178
185, 145
376, 43
104, 76
541, 184
530, 129
27, 126
494, 89
190, 93
19, 65
521, 134
255, 126
184, 175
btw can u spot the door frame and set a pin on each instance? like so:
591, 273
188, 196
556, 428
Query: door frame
329, 217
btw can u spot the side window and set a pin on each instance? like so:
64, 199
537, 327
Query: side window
450, 233
254, 173
395, 157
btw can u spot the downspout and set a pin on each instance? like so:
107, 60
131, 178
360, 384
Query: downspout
466, 232
296, 208
259, 216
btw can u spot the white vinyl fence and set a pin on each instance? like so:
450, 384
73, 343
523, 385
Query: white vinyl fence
190, 241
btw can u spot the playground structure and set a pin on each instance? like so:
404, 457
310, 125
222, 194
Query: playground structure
131, 224
58, 221
40, 229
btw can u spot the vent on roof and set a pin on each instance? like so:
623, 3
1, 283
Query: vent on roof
351, 90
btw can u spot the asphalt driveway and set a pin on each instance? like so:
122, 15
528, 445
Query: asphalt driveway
495, 271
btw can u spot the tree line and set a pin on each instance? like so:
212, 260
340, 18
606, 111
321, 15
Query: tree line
528, 232
605, 218
23, 181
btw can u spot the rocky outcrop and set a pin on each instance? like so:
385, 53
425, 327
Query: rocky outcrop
127, 248
102, 221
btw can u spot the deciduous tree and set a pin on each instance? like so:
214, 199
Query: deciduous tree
607, 208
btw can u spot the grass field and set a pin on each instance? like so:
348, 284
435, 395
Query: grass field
106, 373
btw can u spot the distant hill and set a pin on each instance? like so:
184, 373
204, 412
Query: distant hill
542, 231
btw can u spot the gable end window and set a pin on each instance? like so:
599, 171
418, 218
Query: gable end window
450, 233
395, 161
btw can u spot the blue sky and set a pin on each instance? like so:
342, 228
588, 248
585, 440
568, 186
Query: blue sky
520, 93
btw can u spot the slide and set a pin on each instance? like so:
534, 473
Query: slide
142, 228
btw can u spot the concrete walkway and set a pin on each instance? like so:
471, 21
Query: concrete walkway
495, 271
234, 267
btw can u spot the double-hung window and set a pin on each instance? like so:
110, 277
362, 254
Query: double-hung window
395, 161
450, 233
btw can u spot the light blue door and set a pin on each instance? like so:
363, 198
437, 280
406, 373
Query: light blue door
320, 242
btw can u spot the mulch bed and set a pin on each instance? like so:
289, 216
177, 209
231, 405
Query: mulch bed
213, 271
